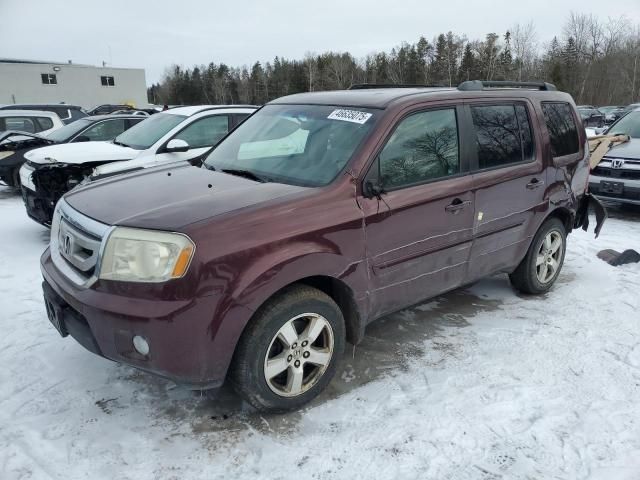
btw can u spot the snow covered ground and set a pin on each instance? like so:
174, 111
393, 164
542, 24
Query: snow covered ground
477, 384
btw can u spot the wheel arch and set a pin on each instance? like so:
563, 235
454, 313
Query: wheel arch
565, 215
339, 292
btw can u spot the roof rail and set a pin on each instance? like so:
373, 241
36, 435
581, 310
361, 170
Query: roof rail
476, 85
361, 86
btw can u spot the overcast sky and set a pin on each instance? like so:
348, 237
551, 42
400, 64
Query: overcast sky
154, 34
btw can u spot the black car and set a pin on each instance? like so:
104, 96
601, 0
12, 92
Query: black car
591, 117
13, 145
108, 108
67, 113
612, 113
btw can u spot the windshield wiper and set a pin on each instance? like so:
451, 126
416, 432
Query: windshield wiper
121, 144
246, 174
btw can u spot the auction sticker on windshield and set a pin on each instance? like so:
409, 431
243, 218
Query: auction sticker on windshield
349, 116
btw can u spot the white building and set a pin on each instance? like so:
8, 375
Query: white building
29, 81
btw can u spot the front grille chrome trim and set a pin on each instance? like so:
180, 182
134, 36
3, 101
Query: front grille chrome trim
90, 232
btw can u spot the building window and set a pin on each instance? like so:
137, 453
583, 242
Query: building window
107, 81
49, 78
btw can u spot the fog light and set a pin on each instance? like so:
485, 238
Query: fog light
141, 345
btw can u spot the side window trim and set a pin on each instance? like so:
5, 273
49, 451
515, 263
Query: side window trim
577, 120
475, 163
373, 169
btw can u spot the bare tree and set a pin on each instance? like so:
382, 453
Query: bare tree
525, 46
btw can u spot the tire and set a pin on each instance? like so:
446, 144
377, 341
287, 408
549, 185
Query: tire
269, 340
15, 176
530, 276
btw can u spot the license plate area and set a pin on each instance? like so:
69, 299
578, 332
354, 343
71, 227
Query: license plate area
616, 188
55, 311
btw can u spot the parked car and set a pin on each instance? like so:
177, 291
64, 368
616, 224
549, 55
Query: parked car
14, 145
632, 107
318, 214
131, 111
612, 113
108, 109
617, 177
29, 121
591, 117
67, 113
181, 134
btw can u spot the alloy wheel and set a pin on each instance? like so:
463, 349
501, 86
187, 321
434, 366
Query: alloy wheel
549, 257
298, 354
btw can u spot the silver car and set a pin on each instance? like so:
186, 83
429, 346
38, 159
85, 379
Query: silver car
617, 177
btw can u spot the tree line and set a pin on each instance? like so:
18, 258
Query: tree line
596, 61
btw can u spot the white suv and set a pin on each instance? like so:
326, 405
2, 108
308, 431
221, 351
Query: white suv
30, 121
175, 135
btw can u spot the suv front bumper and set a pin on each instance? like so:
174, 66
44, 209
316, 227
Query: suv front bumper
181, 334
623, 190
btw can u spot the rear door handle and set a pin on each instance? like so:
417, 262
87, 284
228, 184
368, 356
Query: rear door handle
534, 183
457, 205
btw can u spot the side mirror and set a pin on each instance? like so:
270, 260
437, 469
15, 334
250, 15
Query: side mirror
82, 138
176, 145
372, 190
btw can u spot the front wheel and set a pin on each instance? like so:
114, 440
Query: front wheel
289, 352
541, 266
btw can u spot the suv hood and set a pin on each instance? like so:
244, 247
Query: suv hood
171, 197
630, 150
81, 152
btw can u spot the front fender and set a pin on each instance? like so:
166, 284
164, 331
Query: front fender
293, 263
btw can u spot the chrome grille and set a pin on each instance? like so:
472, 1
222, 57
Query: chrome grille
76, 244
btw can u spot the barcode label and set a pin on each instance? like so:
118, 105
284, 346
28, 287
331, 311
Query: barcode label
353, 116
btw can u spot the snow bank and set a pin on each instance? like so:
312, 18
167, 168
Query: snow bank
477, 384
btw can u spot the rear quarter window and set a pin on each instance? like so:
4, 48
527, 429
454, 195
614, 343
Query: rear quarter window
45, 123
563, 131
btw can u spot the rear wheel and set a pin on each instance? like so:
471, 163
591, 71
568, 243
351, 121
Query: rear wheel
541, 266
290, 351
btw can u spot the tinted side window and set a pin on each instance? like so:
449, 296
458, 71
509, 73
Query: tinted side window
563, 132
103, 131
238, 118
62, 112
503, 135
205, 132
45, 123
21, 124
423, 147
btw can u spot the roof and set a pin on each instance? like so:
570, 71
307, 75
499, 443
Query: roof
383, 97
96, 118
68, 63
188, 111
39, 62
27, 113
62, 105
366, 97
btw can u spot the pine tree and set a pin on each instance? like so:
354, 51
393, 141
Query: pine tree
468, 69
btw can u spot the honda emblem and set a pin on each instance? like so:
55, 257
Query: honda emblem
66, 245
617, 163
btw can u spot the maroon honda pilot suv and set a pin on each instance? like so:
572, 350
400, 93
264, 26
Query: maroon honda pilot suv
320, 213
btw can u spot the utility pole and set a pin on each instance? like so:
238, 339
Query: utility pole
633, 83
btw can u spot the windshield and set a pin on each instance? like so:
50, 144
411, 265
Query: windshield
65, 133
149, 131
627, 125
305, 145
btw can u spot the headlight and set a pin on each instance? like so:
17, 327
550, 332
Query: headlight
136, 255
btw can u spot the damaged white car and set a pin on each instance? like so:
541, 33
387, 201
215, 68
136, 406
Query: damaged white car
177, 135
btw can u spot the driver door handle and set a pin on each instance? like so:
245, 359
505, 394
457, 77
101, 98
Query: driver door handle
457, 205
534, 183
